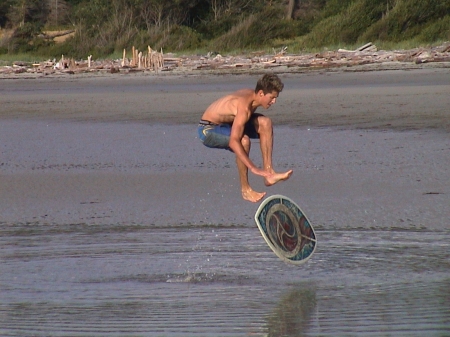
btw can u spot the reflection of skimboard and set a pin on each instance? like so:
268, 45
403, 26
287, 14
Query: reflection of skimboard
286, 229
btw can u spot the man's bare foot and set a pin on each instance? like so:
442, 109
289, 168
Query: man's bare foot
276, 177
252, 196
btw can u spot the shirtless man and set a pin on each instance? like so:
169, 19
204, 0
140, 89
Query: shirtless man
230, 122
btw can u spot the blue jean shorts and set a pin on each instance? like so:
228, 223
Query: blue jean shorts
218, 135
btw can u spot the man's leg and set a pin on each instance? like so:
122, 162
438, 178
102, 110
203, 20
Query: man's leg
247, 192
264, 128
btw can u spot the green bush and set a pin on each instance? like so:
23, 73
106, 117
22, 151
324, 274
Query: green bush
438, 30
237, 37
212, 29
256, 31
346, 26
56, 50
179, 38
407, 19
333, 7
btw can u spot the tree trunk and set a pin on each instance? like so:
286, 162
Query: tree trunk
290, 9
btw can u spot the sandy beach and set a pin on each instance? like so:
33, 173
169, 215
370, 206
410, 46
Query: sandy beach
370, 153
132, 139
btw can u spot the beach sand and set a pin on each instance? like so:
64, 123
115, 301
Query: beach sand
367, 149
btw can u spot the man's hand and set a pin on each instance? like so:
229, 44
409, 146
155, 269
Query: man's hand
259, 172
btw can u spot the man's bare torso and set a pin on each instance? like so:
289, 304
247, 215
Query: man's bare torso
224, 110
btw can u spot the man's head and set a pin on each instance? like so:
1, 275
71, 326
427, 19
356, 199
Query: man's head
269, 83
267, 89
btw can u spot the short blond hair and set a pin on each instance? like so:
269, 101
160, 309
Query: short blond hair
269, 83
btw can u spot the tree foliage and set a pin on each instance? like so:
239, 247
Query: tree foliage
105, 26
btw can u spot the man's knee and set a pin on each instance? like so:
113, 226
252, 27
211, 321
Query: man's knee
245, 141
264, 124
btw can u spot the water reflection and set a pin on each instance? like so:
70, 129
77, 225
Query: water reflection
293, 315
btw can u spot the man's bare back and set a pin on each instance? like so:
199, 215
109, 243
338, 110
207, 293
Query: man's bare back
224, 110
237, 110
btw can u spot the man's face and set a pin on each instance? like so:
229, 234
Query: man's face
268, 99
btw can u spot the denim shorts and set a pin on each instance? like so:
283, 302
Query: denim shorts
218, 135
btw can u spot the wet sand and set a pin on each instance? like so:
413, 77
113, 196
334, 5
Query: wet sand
120, 147
109, 204
390, 99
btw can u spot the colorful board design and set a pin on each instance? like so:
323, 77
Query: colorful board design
286, 229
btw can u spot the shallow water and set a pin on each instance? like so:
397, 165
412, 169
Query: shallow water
219, 280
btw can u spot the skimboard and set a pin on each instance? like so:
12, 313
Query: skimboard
286, 229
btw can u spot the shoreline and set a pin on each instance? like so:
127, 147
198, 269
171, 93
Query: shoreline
185, 72
365, 58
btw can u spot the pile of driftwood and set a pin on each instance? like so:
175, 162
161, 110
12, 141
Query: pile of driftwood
367, 54
139, 61
153, 61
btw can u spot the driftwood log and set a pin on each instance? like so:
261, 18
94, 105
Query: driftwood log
153, 61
